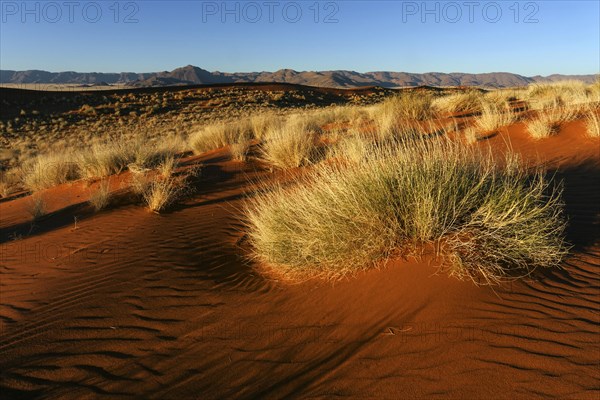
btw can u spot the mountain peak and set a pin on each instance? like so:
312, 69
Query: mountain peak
191, 74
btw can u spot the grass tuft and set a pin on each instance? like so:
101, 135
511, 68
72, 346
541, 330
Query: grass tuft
48, 170
494, 116
592, 124
291, 145
219, 135
548, 122
100, 199
239, 150
486, 223
158, 193
37, 207
469, 101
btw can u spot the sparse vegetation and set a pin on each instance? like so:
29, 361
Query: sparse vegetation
49, 170
37, 207
100, 199
9, 182
263, 123
389, 187
548, 122
167, 166
215, 136
159, 193
239, 150
468, 101
494, 116
574, 94
291, 145
485, 222
592, 123
101, 159
350, 149
397, 115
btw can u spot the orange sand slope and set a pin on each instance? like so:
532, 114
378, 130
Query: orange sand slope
128, 303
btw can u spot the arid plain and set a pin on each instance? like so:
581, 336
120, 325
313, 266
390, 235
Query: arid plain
275, 240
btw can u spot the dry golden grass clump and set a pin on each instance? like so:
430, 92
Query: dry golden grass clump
468, 101
472, 135
218, 135
9, 182
506, 95
37, 207
575, 94
161, 192
485, 222
263, 123
389, 127
291, 145
101, 159
494, 116
399, 116
239, 150
542, 127
561, 102
548, 122
413, 105
592, 124
49, 170
405, 106
340, 115
100, 199
145, 153
104, 159
167, 166
161, 187
350, 149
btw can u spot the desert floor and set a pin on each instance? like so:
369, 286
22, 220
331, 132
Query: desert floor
128, 303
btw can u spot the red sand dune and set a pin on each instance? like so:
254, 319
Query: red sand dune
134, 304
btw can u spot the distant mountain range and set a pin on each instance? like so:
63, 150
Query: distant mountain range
191, 75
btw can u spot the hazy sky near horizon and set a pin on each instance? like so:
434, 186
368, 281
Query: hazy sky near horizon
524, 37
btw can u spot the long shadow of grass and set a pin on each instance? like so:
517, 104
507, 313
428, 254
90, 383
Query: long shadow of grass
49, 222
581, 196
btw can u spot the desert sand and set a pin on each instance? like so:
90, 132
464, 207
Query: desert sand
128, 303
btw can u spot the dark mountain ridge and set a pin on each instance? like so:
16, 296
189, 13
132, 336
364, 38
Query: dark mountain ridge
190, 75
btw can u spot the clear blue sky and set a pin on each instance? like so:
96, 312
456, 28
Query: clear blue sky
542, 37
